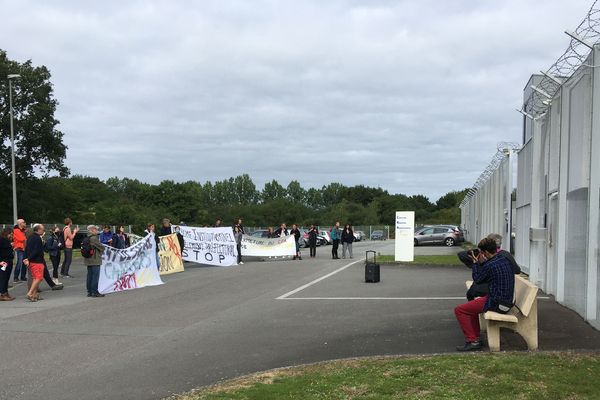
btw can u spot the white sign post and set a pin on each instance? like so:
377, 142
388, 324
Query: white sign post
405, 236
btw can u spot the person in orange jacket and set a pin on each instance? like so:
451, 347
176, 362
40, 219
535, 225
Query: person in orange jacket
19, 239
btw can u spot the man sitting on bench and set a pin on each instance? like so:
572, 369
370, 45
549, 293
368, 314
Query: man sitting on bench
481, 289
497, 271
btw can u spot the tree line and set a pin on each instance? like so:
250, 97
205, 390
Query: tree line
129, 201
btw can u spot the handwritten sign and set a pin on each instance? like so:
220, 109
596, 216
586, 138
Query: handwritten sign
170, 255
212, 246
253, 246
130, 268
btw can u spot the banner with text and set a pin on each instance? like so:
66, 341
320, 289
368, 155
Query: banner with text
169, 253
212, 246
264, 247
130, 268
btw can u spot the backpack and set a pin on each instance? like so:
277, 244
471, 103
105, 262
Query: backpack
87, 251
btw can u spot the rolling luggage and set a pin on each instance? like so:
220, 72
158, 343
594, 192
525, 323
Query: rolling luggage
371, 268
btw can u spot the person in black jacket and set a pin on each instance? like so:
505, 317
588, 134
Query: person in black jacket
7, 255
296, 232
312, 240
53, 247
238, 223
281, 231
347, 240
34, 260
166, 229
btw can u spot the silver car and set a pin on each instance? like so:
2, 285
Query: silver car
436, 235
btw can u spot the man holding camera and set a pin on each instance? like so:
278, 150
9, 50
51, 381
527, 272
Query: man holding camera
497, 271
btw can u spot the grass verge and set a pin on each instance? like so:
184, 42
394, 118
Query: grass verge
484, 376
450, 259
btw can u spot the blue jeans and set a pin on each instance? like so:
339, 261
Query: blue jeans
93, 276
20, 269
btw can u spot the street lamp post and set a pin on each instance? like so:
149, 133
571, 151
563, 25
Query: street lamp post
12, 144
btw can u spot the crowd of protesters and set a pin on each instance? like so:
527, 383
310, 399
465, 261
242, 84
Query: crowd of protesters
22, 253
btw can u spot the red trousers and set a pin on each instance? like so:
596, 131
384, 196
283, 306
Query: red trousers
467, 315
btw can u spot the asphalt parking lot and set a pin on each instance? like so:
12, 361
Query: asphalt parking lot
207, 324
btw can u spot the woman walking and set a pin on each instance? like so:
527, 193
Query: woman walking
6, 263
312, 241
347, 240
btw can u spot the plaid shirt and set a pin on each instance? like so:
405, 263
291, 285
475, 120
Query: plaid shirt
499, 275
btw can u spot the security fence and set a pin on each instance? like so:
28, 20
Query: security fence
557, 221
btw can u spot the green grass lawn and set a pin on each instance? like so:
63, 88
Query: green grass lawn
514, 376
422, 260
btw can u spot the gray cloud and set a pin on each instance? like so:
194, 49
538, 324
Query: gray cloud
411, 96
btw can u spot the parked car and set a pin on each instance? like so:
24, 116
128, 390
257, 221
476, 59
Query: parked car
378, 235
326, 236
461, 234
262, 233
436, 235
359, 235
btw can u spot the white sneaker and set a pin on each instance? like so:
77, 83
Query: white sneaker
241, 263
56, 282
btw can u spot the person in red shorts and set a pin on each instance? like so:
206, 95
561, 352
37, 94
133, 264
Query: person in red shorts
34, 260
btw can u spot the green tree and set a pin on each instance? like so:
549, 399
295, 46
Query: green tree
39, 144
272, 191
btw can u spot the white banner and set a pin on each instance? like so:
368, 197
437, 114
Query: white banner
264, 247
130, 268
212, 246
405, 236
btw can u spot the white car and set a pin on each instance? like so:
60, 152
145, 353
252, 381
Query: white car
326, 236
359, 235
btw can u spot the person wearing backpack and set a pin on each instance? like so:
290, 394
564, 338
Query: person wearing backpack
68, 234
91, 250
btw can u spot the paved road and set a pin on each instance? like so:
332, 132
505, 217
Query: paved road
208, 324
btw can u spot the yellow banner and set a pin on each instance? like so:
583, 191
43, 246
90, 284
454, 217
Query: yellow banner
169, 252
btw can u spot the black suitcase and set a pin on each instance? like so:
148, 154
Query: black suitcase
371, 268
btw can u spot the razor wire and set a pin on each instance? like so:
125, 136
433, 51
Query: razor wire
504, 148
574, 57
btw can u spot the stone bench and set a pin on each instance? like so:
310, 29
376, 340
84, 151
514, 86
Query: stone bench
522, 318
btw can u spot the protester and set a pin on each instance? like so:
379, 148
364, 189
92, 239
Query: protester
150, 230
296, 232
53, 247
238, 223
180, 238
237, 234
6, 263
106, 237
467, 257
218, 223
269, 233
347, 240
34, 260
281, 231
93, 262
313, 234
19, 240
166, 229
334, 232
497, 271
121, 239
68, 238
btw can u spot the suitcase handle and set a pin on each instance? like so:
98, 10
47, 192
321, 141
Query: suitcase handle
367, 256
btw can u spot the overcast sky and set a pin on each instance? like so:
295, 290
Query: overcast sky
412, 96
